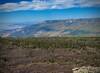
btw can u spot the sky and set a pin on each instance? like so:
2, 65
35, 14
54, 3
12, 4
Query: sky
16, 11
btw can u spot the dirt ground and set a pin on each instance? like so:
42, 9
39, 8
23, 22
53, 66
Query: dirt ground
18, 60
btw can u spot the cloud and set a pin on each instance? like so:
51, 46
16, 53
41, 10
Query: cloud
48, 4
8, 6
88, 3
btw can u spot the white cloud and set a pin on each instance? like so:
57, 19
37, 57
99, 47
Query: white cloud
8, 6
88, 3
48, 4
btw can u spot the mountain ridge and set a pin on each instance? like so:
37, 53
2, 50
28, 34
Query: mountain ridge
53, 28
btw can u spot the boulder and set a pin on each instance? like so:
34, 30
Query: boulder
86, 69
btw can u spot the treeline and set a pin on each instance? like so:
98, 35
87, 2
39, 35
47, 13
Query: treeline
52, 42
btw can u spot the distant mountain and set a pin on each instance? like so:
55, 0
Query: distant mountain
53, 28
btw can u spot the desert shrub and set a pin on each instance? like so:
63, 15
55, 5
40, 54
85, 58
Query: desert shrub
54, 42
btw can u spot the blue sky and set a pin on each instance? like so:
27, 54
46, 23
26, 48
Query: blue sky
16, 11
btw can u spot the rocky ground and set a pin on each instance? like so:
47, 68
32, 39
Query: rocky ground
48, 55
19, 60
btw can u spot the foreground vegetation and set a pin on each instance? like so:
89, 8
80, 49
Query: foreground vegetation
48, 55
54, 42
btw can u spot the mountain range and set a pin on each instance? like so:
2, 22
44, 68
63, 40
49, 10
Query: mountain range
53, 28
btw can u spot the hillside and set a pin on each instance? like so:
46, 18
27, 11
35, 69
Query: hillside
48, 55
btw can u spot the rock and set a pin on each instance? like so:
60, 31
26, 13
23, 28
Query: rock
85, 69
